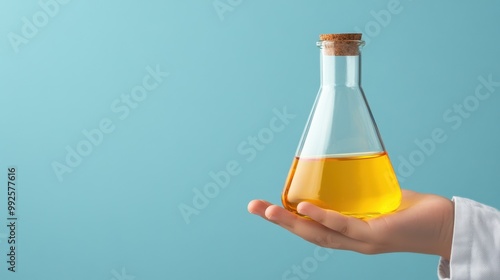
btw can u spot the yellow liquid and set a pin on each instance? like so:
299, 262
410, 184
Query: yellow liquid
361, 186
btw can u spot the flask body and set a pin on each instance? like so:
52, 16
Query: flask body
341, 163
357, 185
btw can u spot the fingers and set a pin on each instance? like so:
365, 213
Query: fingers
258, 207
309, 230
348, 226
282, 217
272, 212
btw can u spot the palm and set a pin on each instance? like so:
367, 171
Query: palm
421, 224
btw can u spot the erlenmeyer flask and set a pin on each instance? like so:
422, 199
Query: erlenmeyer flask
341, 163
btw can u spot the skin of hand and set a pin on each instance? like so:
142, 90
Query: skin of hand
422, 224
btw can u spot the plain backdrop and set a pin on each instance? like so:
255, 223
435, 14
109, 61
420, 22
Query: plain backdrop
113, 209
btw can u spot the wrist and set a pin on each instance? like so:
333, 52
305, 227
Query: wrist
446, 231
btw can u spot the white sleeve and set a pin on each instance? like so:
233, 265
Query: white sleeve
475, 252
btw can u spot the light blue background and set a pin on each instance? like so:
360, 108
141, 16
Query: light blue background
117, 213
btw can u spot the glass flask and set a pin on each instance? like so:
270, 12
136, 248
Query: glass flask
341, 163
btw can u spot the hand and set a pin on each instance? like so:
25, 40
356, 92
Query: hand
422, 224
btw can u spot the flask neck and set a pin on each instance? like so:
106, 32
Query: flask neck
340, 70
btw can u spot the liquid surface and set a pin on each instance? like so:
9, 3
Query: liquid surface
360, 185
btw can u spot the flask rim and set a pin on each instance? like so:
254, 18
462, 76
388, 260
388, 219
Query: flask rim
322, 43
340, 47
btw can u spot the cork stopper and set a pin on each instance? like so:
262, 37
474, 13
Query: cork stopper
341, 44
